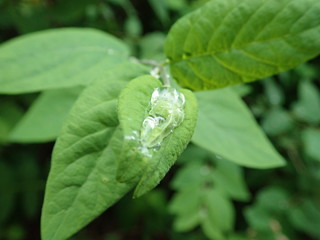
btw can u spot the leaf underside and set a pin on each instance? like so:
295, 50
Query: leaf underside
226, 42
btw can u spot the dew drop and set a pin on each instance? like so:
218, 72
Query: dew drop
155, 72
166, 113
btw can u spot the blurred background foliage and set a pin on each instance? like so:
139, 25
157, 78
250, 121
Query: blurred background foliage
203, 196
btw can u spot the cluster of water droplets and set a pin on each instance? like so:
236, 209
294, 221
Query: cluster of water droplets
166, 113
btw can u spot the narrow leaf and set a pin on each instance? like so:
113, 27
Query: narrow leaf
57, 58
226, 127
227, 42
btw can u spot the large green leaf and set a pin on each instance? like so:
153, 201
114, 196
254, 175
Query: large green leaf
44, 120
82, 181
230, 41
57, 58
134, 104
226, 127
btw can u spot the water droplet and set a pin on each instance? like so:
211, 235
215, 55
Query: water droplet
166, 113
155, 72
133, 137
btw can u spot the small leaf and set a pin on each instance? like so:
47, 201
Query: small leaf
151, 46
44, 119
227, 42
306, 217
277, 121
82, 182
160, 9
57, 58
270, 205
133, 26
308, 106
10, 114
226, 127
220, 211
311, 142
185, 205
228, 178
273, 92
134, 105
204, 186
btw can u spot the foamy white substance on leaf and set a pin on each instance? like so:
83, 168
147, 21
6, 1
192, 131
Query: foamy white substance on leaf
166, 113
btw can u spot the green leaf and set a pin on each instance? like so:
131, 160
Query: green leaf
133, 107
308, 106
270, 205
185, 205
227, 42
205, 206
134, 104
306, 71
228, 178
273, 92
133, 26
44, 120
57, 58
311, 142
82, 182
189, 178
151, 46
273, 199
220, 211
160, 9
306, 217
226, 127
277, 121
258, 218
10, 114
204, 186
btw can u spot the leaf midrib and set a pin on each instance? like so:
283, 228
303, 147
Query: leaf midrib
77, 194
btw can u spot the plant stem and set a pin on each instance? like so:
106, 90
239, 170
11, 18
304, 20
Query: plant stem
159, 69
164, 75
